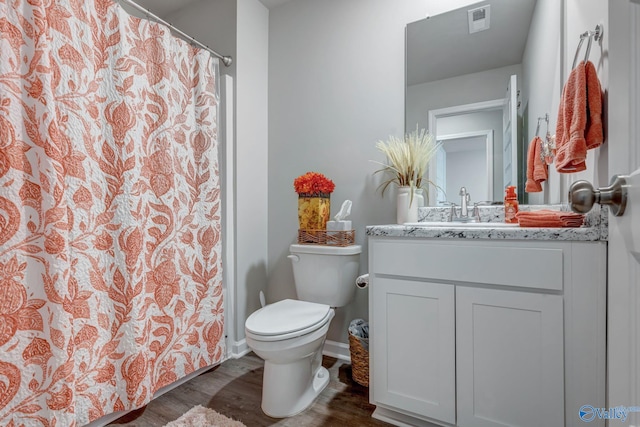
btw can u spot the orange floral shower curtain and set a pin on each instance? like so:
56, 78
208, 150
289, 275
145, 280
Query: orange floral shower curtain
110, 271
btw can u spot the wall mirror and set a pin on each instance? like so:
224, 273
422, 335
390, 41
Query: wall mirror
468, 73
463, 160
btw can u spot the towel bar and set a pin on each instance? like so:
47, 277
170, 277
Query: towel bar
591, 35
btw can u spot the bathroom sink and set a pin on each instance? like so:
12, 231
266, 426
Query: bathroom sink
461, 224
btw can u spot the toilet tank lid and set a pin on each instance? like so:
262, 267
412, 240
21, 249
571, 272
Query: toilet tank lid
286, 316
325, 249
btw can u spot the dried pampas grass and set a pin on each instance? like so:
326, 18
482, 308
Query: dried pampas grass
408, 158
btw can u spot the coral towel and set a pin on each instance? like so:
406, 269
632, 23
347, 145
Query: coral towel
549, 218
536, 167
593, 134
579, 125
571, 146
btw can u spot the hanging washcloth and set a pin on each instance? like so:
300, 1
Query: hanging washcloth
536, 167
594, 134
571, 146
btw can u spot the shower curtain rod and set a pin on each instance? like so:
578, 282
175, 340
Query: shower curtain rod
227, 60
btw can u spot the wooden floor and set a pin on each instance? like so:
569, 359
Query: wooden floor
234, 389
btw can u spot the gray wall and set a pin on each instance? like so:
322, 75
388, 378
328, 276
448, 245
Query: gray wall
214, 23
547, 61
470, 88
482, 120
251, 152
487, 85
462, 164
542, 83
336, 86
583, 15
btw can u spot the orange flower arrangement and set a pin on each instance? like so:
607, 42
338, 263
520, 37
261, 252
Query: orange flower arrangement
314, 190
313, 184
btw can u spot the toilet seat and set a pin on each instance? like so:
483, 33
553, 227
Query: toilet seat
287, 319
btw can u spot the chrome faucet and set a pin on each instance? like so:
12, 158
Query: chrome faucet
465, 198
463, 214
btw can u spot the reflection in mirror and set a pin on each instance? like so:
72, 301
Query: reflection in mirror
450, 67
495, 163
468, 155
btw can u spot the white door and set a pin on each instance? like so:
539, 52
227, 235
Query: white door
623, 139
510, 363
510, 134
414, 355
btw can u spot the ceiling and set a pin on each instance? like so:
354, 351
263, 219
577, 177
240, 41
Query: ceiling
164, 8
441, 46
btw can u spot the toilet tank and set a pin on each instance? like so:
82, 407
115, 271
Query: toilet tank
325, 274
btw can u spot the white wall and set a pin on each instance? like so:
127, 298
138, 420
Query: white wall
436, 7
479, 121
463, 164
241, 28
470, 88
213, 23
336, 86
550, 68
251, 155
583, 15
542, 84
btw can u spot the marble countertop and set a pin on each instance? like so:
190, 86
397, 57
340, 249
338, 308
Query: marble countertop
595, 228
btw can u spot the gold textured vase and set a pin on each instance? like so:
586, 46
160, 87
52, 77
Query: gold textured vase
313, 211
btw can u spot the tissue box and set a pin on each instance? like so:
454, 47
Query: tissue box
338, 225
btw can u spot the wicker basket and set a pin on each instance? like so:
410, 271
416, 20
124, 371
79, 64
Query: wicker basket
359, 361
324, 237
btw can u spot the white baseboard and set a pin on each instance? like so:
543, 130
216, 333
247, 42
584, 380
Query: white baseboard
239, 349
400, 419
338, 350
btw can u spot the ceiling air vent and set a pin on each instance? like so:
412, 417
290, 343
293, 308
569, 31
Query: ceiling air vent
479, 18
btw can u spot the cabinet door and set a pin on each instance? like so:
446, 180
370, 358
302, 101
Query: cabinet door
509, 358
414, 347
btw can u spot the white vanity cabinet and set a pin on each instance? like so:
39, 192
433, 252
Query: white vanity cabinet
476, 333
415, 323
509, 358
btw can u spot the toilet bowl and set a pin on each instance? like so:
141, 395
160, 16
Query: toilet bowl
289, 334
293, 371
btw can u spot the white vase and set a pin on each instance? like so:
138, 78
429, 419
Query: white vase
407, 206
419, 194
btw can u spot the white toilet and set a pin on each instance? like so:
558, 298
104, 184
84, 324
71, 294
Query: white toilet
289, 334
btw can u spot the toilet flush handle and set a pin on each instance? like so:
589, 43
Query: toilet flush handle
293, 258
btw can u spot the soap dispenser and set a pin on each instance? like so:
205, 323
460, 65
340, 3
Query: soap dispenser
510, 205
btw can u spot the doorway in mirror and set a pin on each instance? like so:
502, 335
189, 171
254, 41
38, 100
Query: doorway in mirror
487, 166
465, 160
